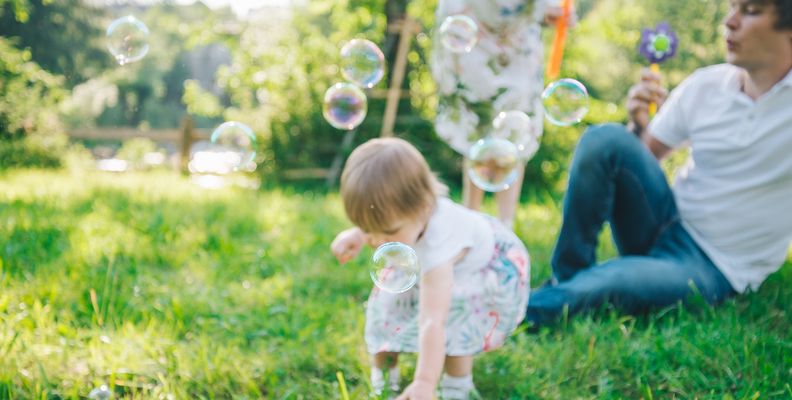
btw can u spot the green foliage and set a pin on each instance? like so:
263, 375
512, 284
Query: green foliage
286, 59
65, 37
28, 94
157, 287
30, 130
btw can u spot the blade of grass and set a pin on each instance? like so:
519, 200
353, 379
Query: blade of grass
342, 384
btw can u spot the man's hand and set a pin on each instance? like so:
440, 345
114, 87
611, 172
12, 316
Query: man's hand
418, 390
646, 91
553, 13
347, 244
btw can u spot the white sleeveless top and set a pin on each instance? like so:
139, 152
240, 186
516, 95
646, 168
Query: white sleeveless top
451, 229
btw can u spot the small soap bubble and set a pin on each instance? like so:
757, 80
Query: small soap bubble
127, 39
362, 63
234, 143
395, 267
458, 33
566, 102
345, 106
100, 393
494, 164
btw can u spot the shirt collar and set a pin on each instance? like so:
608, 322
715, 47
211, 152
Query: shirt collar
734, 80
787, 81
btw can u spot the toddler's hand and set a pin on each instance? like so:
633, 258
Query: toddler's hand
347, 244
418, 390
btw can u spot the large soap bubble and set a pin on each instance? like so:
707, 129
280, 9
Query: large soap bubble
234, 143
127, 39
345, 106
458, 33
566, 102
395, 267
362, 63
494, 164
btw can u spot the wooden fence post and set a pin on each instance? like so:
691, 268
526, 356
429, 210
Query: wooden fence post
399, 68
186, 142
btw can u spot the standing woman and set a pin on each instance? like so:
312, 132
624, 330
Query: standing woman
502, 72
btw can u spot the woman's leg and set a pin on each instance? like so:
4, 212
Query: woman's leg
472, 195
508, 200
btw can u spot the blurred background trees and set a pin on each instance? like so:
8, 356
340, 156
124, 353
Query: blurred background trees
271, 70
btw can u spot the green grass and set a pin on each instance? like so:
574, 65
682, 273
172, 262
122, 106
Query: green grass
162, 289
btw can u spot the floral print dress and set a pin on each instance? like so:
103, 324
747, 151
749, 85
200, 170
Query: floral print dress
487, 303
503, 72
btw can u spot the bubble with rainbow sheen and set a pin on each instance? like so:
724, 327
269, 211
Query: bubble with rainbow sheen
394, 267
235, 143
362, 63
566, 102
127, 39
345, 106
458, 33
494, 164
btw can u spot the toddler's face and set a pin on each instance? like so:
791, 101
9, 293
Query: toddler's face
405, 231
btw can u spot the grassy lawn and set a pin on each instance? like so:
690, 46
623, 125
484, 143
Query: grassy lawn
162, 289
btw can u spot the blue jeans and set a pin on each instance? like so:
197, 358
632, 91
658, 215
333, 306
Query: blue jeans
614, 177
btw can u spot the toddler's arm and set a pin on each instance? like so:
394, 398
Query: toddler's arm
347, 244
435, 299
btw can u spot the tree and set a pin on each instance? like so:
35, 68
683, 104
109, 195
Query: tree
65, 37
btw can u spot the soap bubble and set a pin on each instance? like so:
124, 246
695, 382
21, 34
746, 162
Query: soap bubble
127, 39
494, 164
458, 33
100, 393
362, 63
395, 267
566, 102
345, 106
235, 143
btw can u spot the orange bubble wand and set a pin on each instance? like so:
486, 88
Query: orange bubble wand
557, 51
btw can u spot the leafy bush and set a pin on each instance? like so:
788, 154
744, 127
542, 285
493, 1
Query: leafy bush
30, 131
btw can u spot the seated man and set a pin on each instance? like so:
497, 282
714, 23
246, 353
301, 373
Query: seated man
727, 224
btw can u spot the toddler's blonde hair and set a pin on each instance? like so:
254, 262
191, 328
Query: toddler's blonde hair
385, 180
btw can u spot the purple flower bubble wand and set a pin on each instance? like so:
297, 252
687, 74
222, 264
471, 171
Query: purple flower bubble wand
658, 45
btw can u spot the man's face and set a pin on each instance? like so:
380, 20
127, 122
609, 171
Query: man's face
752, 42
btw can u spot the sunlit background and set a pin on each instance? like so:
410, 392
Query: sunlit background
134, 257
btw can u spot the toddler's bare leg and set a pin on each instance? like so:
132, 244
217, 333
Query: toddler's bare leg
385, 359
459, 366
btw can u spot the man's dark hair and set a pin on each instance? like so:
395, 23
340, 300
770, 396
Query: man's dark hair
784, 11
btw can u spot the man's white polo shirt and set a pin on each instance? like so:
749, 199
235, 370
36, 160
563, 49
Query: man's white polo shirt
734, 193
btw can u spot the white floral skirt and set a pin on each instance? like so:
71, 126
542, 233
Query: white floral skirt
486, 307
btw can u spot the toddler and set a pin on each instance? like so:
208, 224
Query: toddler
473, 288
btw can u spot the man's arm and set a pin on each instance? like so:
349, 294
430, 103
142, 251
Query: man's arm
638, 99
